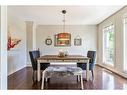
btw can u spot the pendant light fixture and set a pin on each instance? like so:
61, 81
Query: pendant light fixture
64, 35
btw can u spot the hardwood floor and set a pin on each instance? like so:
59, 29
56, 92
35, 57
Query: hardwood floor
104, 79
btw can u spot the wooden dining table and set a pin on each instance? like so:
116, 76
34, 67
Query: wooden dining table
58, 59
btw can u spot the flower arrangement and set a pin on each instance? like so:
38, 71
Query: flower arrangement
12, 42
62, 53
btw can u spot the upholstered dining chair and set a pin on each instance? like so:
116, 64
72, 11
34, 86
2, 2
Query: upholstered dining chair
92, 56
33, 57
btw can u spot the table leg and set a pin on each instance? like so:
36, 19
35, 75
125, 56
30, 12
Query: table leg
46, 79
38, 71
78, 78
81, 82
87, 71
43, 78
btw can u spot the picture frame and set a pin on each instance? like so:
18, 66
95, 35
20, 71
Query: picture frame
77, 41
48, 41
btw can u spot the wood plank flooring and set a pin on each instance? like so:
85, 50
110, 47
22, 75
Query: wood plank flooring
104, 80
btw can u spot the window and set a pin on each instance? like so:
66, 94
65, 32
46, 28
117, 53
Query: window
108, 45
125, 44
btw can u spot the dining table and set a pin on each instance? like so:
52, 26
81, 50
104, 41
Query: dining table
58, 59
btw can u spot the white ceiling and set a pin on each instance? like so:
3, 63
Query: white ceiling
51, 15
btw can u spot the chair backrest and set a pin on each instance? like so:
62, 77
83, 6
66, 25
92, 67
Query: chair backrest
33, 56
92, 56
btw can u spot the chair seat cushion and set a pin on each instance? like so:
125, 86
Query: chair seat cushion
56, 71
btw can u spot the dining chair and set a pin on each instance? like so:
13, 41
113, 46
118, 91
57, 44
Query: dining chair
33, 57
92, 56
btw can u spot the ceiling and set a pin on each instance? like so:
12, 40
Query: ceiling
51, 15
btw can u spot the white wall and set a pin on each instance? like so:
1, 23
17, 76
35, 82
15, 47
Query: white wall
87, 33
29, 38
17, 56
117, 20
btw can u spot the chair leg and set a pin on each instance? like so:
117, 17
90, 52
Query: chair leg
92, 74
77, 78
48, 80
33, 76
36, 75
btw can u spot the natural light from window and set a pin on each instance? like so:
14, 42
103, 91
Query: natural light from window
108, 81
108, 45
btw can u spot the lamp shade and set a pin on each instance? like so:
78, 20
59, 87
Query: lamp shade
63, 36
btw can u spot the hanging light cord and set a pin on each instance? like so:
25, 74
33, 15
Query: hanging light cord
63, 12
64, 23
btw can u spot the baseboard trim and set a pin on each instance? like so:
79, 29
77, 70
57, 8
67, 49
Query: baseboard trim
123, 75
28, 64
15, 70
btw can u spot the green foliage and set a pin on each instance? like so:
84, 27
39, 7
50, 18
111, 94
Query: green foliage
111, 36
